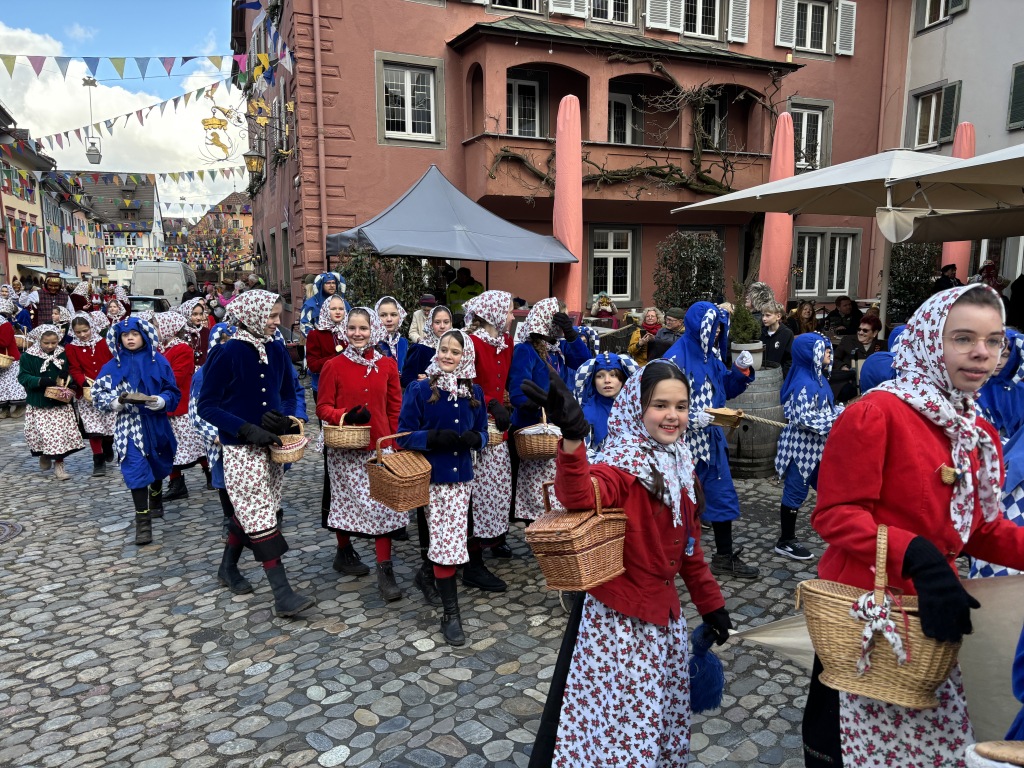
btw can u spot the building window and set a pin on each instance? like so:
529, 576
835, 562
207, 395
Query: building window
519, 5
825, 262
408, 102
935, 11
1015, 117
934, 115
713, 122
805, 273
625, 122
811, 26
522, 105
928, 105
840, 248
620, 11
613, 263
108, 238
700, 18
131, 239
812, 132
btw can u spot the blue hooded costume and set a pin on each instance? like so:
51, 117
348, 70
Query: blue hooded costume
1012, 505
698, 352
1001, 398
597, 407
878, 367
311, 308
143, 438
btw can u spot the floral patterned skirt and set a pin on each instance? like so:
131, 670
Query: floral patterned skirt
352, 509
254, 485
11, 390
96, 423
529, 487
627, 698
492, 492
190, 445
448, 520
52, 432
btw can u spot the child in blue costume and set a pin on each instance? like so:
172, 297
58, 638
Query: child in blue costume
1001, 398
598, 383
326, 285
878, 367
810, 409
699, 352
392, 316
546, 338
143, 438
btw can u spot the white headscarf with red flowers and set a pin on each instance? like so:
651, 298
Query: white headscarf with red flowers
923, 382
95, 328
458, 383
376, 336
168, 325
251, 312
492, 307
392, 339
324, 322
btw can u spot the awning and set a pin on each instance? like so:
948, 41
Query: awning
69, 277
913, 225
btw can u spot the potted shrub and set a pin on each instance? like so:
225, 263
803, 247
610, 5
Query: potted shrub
744, 330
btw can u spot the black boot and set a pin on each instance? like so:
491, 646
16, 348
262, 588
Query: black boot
99, 468
176, 489
286, 602
229, 575
143, 528
502, 550
424, 580
108, 450
451, 619
346, 560
389, 590
476, 574
156, 499
209, 479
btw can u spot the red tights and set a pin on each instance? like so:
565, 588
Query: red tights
382, 545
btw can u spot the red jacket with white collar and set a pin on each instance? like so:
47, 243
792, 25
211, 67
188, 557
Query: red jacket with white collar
492, 368
345, 384
85, 362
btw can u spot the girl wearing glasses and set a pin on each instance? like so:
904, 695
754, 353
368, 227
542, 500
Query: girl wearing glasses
950, 348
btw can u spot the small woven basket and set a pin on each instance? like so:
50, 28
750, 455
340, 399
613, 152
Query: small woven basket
399, 480
6, 361
292, 447
63, 394
537, 447
837, 639
578, 550
494, 435
87, 389
21, 342
352, 438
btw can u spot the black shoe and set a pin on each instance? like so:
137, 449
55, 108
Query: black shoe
143, 529
425, 582
286, 602
346, 560
156, 499
793, 549
502, 551
475, 574
451, 618
389, 590
99, 467
209, 479
730, 565
176, 489
229, 575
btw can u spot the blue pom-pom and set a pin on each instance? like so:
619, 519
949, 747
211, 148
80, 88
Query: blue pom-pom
707, 677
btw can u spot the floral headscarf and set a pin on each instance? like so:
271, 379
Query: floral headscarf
392, 339
117, 311
35, 336
251, 311
458, 383
376, 336
429, 338
167, 325
95, 330
7, 307
538, 320
185, 310
923, 382
82, 289
99, 321
65, 315
324, 323
11, 293
492, 307
630, 447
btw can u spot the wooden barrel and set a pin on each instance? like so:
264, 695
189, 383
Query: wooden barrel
752, 446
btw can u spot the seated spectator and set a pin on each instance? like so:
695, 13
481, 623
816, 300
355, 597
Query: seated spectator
879, 366
670, 333
948, 279
776, 337
844, 319
604, 307
419, 317
644, 335
851, 352
801, 319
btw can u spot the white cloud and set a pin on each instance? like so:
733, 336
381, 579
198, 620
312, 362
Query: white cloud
79, 33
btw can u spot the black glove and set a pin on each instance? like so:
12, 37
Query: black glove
562, 408
443, 440
943, 604
275, 422
471, 440
563, 322
257, 435
358, 416
720, 624
502, 418
47, 381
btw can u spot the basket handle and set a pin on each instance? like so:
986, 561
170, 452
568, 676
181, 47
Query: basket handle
302, 430
341, 422
380, 453
547, 486
543, 416
881, 551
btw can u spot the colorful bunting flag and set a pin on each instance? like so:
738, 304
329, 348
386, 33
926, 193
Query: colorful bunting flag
8, 61
62, 64
93, 63
142, 62
117, 62
37, 63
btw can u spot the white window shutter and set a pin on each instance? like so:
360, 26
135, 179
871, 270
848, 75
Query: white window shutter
785, 24
665, 14
846, 28
576, 8
739, 20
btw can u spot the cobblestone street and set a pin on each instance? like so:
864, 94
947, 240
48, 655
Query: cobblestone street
115, 655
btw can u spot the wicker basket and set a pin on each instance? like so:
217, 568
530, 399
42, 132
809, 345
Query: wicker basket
6, 361
292, 447
352, 438
21, 342
494, 435
87, 389
837, 636
63, 394
400, 480
578, 551
537, 447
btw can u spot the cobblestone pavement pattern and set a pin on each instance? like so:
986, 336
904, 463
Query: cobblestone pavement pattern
116, 655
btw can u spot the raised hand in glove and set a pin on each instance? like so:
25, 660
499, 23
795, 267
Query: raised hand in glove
702, 419
257, 435
471, 440
561, 407
943, 604
443, 440
720, 624
47, 381
744, 360
276, 422
156, 404
358, 416
502, 418
564, 323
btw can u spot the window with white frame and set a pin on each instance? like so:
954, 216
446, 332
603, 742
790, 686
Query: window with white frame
840, 251
805, 273
624, 120
612, 263
520, 5
713, 124
700, 18
825, 262
935, 11
522, 105
108, 238
408, 102
807, 135
928, 106
812, 26
131, 238
933, 114
619, 11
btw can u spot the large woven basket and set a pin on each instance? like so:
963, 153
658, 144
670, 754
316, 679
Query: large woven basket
837, 639
578, 550
292, 447
6, 361
62, 394
352, 438
494, 435
399, 480
537, 447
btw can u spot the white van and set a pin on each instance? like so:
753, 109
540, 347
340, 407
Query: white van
169, 279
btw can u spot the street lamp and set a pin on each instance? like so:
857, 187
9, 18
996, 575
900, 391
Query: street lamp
92, 143
254, 162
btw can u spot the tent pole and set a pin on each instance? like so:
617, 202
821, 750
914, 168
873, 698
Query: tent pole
487, 275
551, 279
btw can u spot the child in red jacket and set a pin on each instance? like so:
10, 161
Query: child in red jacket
87, 353
627, 697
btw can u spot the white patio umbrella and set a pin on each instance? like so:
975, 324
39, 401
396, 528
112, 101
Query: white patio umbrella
915, 225
1003, 168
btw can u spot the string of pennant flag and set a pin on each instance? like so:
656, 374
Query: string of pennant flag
142, 63
202, 174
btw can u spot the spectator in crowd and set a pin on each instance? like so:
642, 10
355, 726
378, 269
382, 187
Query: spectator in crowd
604, 307
644, 335
670, 333
851, 353
758, 296
464, 288
190, 293
989, 275
801, 319
776, 337
947, 279
844, 319
419, 317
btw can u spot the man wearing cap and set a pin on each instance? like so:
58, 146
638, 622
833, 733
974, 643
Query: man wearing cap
419, 317
671, 331
947, 280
